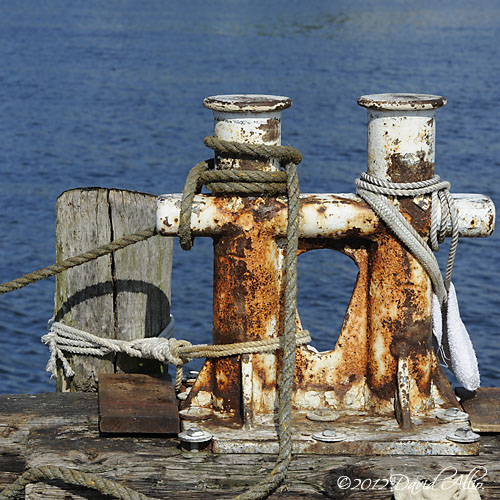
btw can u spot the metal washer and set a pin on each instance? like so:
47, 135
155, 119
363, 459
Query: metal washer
463, 435
329, 436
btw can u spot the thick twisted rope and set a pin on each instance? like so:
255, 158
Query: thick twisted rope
71, 476
77, 260
375, 191
271, 482
287, 154
260, 183
64, 338
244, 182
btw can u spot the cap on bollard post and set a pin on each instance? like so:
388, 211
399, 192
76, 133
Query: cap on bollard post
401, 135
250, 119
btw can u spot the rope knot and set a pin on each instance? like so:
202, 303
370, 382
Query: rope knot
162, 349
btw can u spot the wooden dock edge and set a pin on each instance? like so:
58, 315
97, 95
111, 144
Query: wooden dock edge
62, 429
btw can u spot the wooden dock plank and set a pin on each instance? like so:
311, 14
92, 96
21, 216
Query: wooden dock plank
62, 429
137, 403
483, 407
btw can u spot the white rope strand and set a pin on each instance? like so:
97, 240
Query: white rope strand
64, 338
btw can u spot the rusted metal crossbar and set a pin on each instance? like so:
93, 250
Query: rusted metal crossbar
382, 378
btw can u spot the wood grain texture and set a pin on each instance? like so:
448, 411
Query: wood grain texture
62, 429
133, 403
124, 295
483, 407
84, 294
141, 275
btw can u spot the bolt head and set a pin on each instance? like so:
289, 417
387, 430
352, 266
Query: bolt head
195, 435
329, 436
323, 415
464, 435
194, 432
453, 415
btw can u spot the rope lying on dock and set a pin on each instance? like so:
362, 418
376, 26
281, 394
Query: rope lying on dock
66, 338
71, 476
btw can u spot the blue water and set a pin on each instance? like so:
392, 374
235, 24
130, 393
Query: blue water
109, 94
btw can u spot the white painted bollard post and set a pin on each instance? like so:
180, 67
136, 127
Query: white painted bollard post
401, 149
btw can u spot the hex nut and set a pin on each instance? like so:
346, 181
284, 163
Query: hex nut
195, 435
194, 439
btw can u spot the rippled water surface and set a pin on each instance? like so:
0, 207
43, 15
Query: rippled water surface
109, 94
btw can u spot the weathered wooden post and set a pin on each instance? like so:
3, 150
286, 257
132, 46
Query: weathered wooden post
124, 295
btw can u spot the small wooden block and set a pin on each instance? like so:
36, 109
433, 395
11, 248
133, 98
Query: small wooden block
483, 407
135, 403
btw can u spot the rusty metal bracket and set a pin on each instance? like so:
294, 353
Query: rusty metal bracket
382, 377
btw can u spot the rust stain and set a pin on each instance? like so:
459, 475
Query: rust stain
407, 168
388, 318
271, 130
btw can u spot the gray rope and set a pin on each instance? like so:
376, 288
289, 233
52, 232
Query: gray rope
270, 483
77, 260
252, 182
71, 476
375, 191
67, 338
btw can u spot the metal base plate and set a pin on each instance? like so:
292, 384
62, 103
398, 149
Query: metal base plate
365, 435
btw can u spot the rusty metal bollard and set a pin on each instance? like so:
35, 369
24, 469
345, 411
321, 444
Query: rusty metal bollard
383, 365
401, 140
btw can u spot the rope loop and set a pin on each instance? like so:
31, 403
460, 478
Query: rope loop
231, 182
375, 192
287, 154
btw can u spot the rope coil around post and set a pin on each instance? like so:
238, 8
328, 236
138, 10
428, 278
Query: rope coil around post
244, 182
453, 340
375, 192
261, 184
